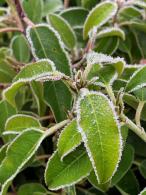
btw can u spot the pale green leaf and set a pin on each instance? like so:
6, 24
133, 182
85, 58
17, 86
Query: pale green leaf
100, 132
69, 139
74, 168
30, 188
46, 43
20, 122
33, 9
64, 29
137, 80
75, 16
20, 47
110, 32
18, 155
59, 98
98, 16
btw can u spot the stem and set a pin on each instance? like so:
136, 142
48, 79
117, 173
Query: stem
111, 94
10, 29
56, 127
138, 113
66, 3
137, 130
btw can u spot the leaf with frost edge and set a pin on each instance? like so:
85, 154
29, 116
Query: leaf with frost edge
4, 186
73, 148
103, 22
56, 34
84, 93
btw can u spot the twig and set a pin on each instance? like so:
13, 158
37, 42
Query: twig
10, 29
66, 3
138, 113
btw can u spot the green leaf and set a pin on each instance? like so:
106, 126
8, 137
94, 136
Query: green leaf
61, 101
142, 168
73, 169
46, 43
69, 139
20, 47
6, 110
64, 29
30, 188
75, 16
110, 32
99, 58
100, 132
51, 6
143, 192
93, 180
35, 70
99, 16
137, 80
38, 92
18, 155
3, 150
33, 9
6, 71
125, 164
88, 4
128, 184
19, 122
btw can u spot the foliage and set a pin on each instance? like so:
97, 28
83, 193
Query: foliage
72, 97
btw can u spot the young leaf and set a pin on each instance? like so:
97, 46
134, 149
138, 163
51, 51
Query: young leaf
124, 165
110, 32
137, 80
20, 48
61, 101
64, 29
30, 188
100, 132
19, 122
93, 180
46, 43
6, 110
75, 16
18, 155
33, 9
99, 16
69, 139
73, 169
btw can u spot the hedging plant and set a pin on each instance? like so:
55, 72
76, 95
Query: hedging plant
72, 85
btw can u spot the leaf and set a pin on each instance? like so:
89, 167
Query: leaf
35, 70
38, 92
110, 32
6, 72
30, 188
69, 139
99, 16
6, 110
93, 180
75, 16
111, 44
142, 168
46, 43
16, 159
51, 6
73, 169
128, 184
96, 58
33, 9
124, 165
61, 101
20, 48
100, 132
143, 192
20, 122
88, 4
139, 3
137, 80
3, 150
64, 29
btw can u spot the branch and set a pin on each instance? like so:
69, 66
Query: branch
66, 3
138, 113
10, 29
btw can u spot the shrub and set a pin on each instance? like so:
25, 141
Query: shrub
72, 85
